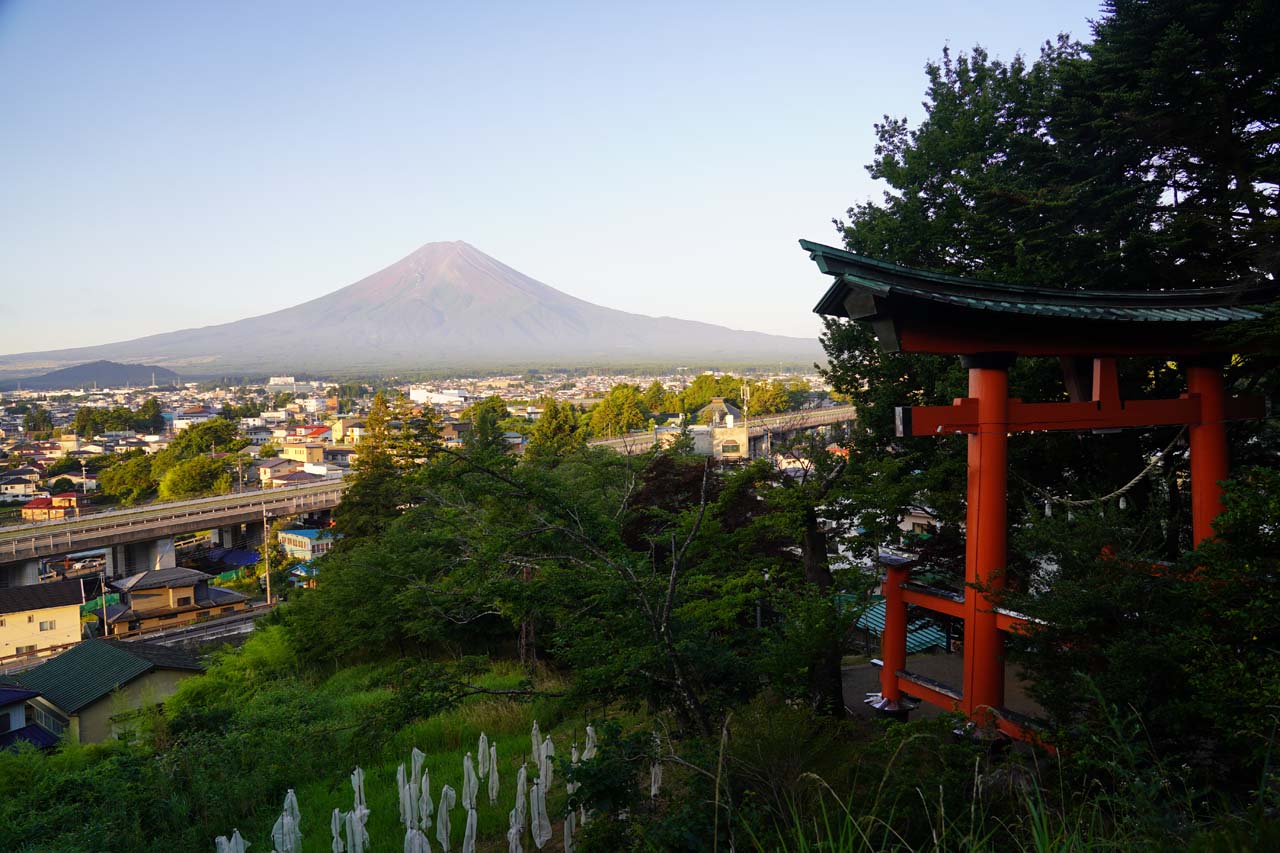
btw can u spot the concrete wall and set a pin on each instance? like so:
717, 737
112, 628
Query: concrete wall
95, 724
23, 629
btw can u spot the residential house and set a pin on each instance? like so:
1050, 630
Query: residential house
17, 717
269, 468
19, 489
99, 689
293, 478
39, 617
308, 433
454, 431
340, 456
191, 416
339, 426
84, 481
306, 543
258, 435
63, 505
308, 452
303, 575
167, 597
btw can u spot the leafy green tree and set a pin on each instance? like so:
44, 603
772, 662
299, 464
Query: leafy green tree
557, 434
150, 417
621, 411
396, 442
37, 419
213, 435
195, 477
485, 440
768, 398
654, 397
270, 450
129, 480
62, 484
708, 385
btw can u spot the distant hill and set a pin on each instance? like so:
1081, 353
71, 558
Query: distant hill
445, 305
103, 374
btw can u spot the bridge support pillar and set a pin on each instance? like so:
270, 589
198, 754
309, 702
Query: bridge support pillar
253, 534
226, 537
161, 554
20, 574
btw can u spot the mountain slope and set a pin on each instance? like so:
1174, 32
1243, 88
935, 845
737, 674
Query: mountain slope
104, 374
445, 305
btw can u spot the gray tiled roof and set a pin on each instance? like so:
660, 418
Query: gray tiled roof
54, 594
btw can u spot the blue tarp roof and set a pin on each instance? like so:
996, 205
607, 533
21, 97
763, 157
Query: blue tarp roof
233, 556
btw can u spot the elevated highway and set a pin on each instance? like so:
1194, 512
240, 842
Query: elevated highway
27, 543
757, 428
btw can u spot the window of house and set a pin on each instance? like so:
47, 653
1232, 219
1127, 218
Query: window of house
30, 619
50, 722
165, 616
22, 650
184, 601
200, 614
1, 623
228, 610
48, 626
4, 723
730, 447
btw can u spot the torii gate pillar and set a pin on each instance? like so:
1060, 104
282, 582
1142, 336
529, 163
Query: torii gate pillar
986, 547
1208, 440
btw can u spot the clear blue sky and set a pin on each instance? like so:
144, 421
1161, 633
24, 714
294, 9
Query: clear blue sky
174, 164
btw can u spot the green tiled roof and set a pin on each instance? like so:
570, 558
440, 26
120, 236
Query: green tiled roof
922, 634
874, 278
85, 673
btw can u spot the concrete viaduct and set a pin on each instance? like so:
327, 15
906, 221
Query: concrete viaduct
141, 538
761, 432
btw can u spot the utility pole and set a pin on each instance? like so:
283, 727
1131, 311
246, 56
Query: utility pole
266, 551
102, 591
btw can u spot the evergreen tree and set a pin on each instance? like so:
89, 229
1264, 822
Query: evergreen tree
556, 434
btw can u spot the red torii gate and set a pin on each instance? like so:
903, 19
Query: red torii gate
989, 325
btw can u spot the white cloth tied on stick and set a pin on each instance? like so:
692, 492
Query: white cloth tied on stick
470, 784
546, 767
234, 844
493, 773
425, 806
448, 799
482, 756
336, 821
469, 834
539, 822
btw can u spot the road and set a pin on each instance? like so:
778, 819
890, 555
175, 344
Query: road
639, 442
114, 527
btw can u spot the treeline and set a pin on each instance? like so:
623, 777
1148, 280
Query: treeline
91, 420
628, 407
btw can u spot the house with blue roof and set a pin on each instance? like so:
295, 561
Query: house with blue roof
306, 543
